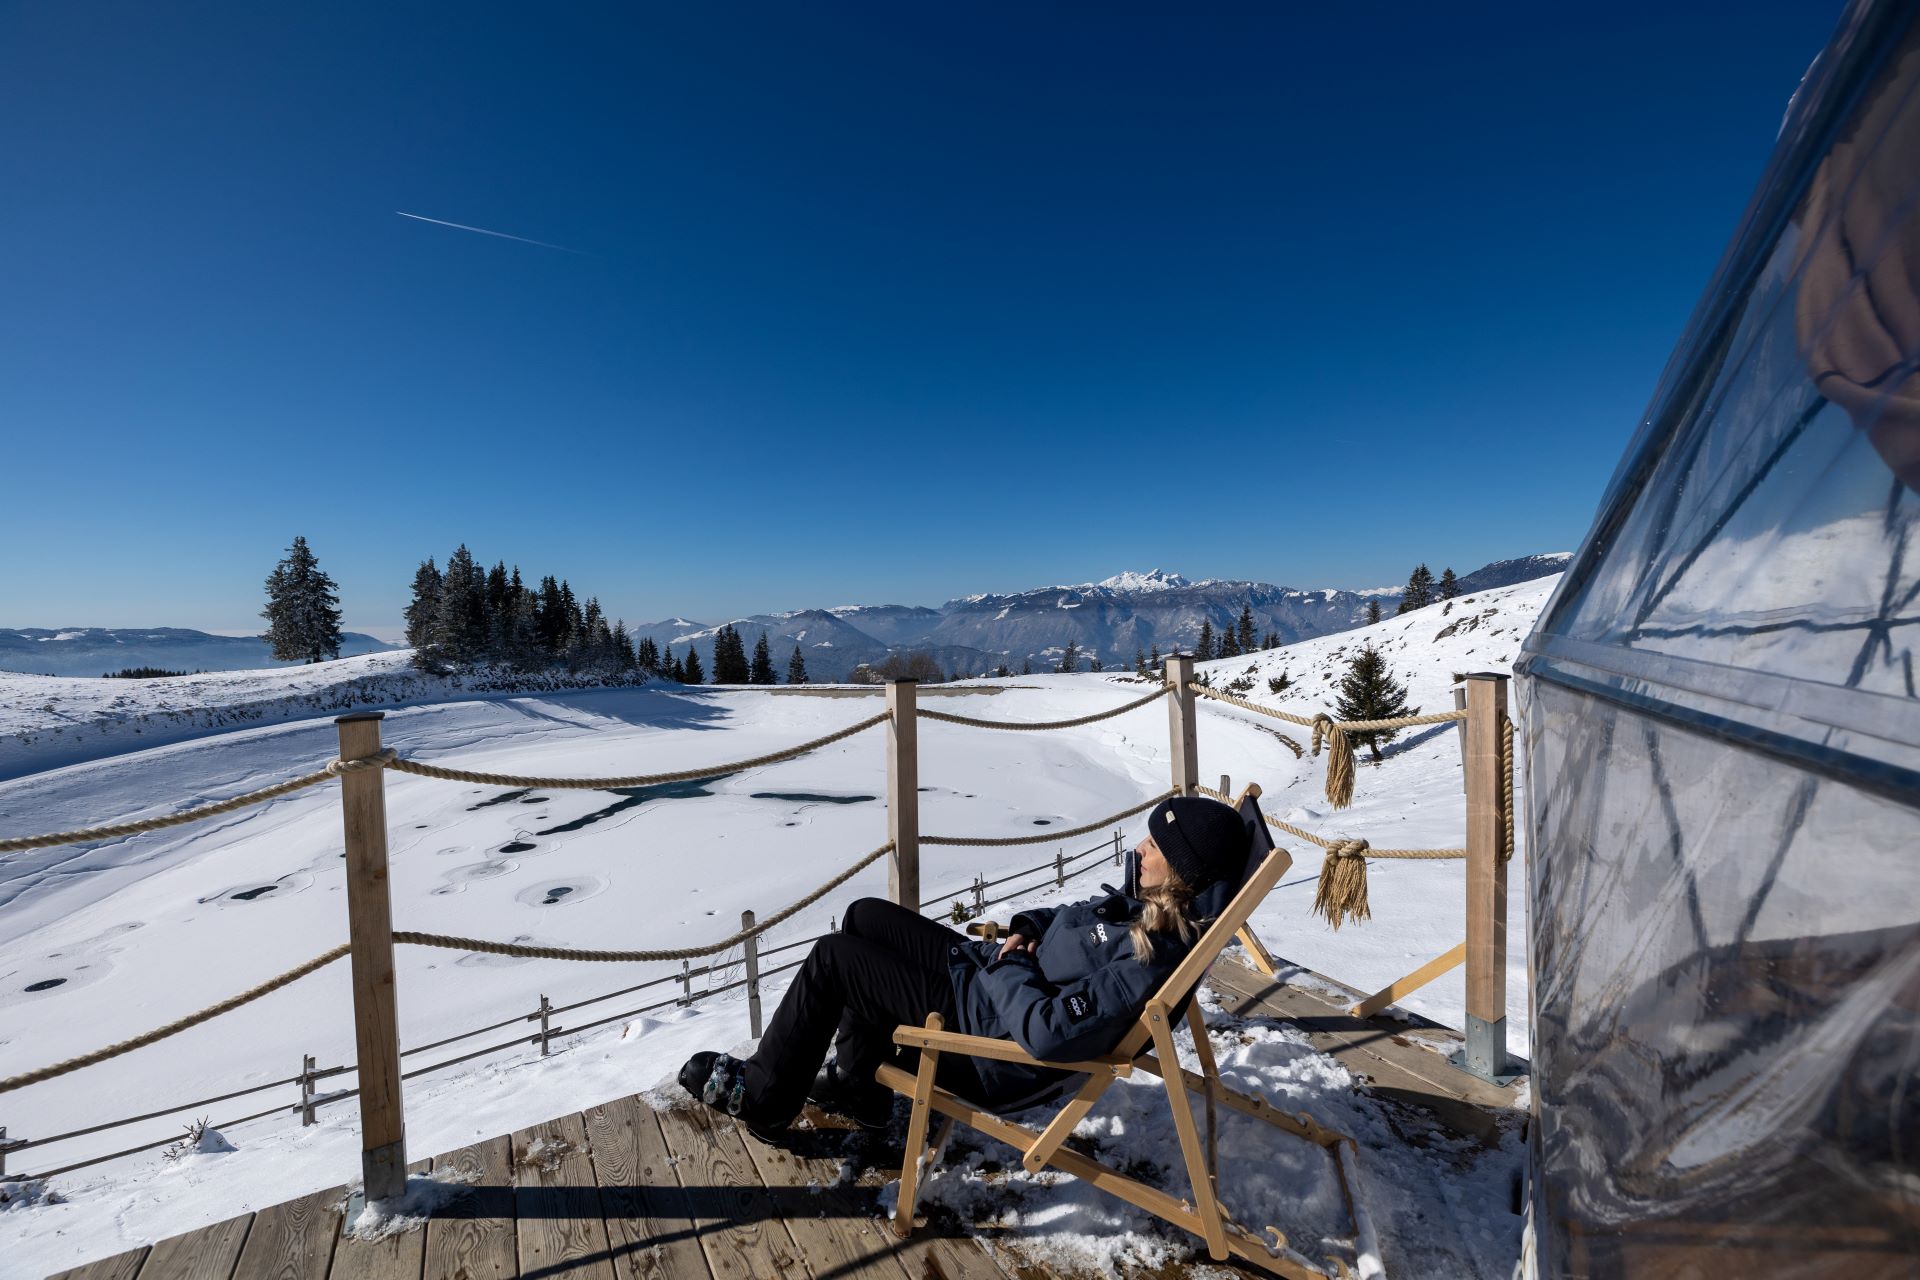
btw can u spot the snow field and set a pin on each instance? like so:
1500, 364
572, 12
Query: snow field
144, 929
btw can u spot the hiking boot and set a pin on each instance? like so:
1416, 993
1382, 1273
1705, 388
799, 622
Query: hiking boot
870, 1107
717, 1079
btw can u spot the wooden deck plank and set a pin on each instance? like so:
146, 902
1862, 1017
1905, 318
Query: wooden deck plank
400, 1256
557, 1204
479, 1239
649, 1227
206, 1254
836, 1227
121, 1266
739, 1228
1395, 1069
293, 1241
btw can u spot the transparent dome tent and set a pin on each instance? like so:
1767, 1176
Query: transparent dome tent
1722, 742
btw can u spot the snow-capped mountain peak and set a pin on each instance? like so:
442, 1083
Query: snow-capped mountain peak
1133, 583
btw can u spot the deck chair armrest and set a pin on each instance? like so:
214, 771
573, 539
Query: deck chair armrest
1001, 1050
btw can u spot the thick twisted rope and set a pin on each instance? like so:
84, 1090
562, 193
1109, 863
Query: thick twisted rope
1341, 894
626, 957
1332, 734
175, 1027
89, 834
418, 769
993, 842
972, 723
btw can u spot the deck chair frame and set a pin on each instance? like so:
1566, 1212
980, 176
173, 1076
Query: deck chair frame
1147, 1046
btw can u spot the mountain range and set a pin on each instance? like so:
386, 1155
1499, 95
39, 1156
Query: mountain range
1109, 619
972, 635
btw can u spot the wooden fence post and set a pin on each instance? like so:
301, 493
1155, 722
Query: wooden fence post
903, 792
546, 1023
1485, 1054
307, 1065
1460, 704
376, 1015
1182, 715
753, 975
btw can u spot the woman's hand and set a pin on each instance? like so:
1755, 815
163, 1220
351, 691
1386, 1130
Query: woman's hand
1017, 942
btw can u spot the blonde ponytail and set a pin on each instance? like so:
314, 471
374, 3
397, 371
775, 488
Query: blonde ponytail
1165, 912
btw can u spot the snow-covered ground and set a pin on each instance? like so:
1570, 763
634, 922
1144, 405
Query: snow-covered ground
141, 930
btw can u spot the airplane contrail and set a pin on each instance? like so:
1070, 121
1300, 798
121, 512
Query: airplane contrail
461, 226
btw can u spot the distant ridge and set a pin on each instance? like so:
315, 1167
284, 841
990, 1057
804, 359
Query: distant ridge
94, 651
1107, 619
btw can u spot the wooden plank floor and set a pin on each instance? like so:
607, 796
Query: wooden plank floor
622, 1191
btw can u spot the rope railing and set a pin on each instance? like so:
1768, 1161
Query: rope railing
421, 770
1331, 733
343, 1095
391, 759
1044, 837
1032, 725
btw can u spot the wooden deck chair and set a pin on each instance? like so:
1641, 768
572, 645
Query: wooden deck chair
1147, 1046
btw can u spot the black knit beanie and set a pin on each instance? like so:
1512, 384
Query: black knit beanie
1203, 840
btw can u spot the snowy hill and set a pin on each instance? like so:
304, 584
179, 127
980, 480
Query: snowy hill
93, 651
99, 942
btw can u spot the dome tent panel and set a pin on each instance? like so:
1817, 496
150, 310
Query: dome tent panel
1722, 738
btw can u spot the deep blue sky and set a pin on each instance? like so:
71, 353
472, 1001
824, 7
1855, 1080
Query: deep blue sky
887, 302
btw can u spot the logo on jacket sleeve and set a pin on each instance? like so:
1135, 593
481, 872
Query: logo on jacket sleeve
1080, 1006
1100, 934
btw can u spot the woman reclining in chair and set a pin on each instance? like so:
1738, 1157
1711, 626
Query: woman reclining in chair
1065, 984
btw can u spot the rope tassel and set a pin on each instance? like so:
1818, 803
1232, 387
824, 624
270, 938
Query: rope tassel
1341, 894
1339, 767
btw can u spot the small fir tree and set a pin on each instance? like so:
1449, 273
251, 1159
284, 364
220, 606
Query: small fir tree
1002, 671
303, 608
1449, 585
425, 608
1094, 663
1373, 611
1246, 636
1419, 592
1070, 658
1369, 692
796, 667
1203, 651
1229, 642
1139, 661
1153, 659
692, 672
761, 672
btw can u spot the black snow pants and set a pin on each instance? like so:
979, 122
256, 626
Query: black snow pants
886, 966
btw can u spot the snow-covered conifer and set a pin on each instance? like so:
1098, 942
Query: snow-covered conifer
1369, 692
303, 608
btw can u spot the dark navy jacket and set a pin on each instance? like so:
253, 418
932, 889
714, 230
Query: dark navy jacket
1076, 997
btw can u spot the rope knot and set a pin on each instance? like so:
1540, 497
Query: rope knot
336, 768
1349, 849
1341, 894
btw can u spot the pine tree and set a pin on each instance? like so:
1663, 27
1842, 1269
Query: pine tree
692, 672
1229, 642
303, 608
425, 608
1094, 663
1280, 683
460, 632
1369, 692
1002, 671
552, 617
1153, 659
1203, 652
1026, 666
1373, 611
1139, 661
1272, 641
796, 667
1246, 636
729, 657
761, 672
623, 655
1449, 585
647, 654
1069, 658
1419, 592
